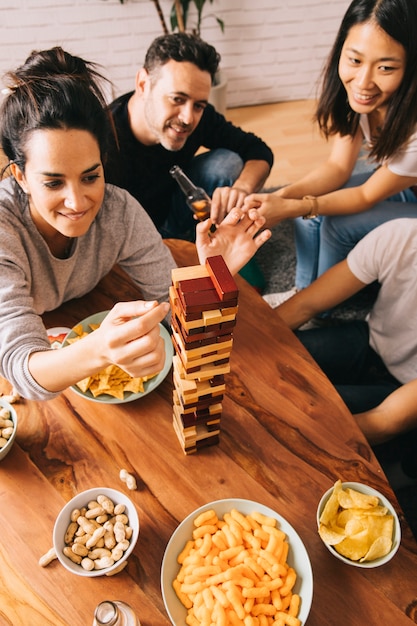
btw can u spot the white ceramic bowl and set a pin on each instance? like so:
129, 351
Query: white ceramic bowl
79, 501
297, 556
396, 540
149, 386
4, 451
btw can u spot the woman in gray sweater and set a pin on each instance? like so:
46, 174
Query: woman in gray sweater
63, 229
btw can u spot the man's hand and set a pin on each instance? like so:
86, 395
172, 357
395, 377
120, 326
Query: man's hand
224, 200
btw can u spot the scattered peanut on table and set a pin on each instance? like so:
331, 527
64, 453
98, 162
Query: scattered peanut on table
129, 479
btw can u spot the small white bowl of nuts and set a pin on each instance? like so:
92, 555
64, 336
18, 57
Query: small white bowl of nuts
95, 532
8, 427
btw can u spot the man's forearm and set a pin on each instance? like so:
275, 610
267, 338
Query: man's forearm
396, 414
253, 176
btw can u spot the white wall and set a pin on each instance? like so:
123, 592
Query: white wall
272, 50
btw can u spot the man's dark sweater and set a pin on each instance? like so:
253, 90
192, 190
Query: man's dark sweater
144, 170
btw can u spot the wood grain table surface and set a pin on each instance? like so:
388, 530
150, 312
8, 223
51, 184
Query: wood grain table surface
286, 436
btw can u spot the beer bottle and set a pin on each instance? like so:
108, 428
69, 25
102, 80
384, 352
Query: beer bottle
197, 199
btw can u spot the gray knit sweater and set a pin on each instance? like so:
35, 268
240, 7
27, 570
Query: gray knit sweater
33, 281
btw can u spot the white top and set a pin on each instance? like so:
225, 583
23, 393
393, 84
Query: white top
404, 162
389, 254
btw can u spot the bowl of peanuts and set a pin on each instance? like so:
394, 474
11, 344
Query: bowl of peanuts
95, 532
8, 427
236, 561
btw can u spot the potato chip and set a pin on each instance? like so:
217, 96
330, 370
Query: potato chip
356, 524
112, 381
331, 536
354, 547
349, 498
380, 547
332, 505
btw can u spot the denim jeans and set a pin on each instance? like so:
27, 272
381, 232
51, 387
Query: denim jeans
355, 369
216, 168
324, 241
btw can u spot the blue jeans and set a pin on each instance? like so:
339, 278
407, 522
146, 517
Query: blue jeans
324, 241
216, 168
355, 369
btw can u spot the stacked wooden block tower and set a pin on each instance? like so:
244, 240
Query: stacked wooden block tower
204, 301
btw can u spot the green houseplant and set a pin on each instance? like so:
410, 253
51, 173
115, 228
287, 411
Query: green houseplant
179, 15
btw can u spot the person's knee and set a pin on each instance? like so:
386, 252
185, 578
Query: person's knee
218, 168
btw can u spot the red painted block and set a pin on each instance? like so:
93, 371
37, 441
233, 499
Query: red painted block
195, 285
222, 278
200, 300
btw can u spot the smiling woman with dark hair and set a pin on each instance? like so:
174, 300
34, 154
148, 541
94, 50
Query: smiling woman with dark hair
63, 229
368, 95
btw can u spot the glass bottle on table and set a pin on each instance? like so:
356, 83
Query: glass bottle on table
114, 613
196, 197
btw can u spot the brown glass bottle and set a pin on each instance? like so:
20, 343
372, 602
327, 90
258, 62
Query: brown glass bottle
197, 199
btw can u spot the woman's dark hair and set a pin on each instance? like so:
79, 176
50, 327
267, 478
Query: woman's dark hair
51, 90
398, 18
182, 47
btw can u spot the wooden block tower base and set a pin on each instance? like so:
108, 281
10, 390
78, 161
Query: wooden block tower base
204, 303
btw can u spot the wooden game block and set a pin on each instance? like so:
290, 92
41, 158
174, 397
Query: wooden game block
177, 429
206, 372
190, 436
199, 400
211, 358
192, 448
212, 408
211, 331
211, 379
190, 367
188, 273
206, 336
198, 433
195, 285
187, 421
188, 354
198, 341
200, 403
200, 301
187, 388
222, 278
205, 391
218, 316
202, 417
205, 321
178, 309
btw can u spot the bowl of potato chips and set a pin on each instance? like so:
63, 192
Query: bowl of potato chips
358, 525
112, 385
236, 556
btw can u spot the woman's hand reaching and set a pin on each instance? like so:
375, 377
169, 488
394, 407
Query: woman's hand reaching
236, 239
128, 337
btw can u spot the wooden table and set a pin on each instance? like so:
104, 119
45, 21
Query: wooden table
285, 438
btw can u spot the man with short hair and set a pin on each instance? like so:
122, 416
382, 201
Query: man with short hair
165, 121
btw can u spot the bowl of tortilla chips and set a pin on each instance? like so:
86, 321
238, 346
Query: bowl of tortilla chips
358, 525
112, 385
